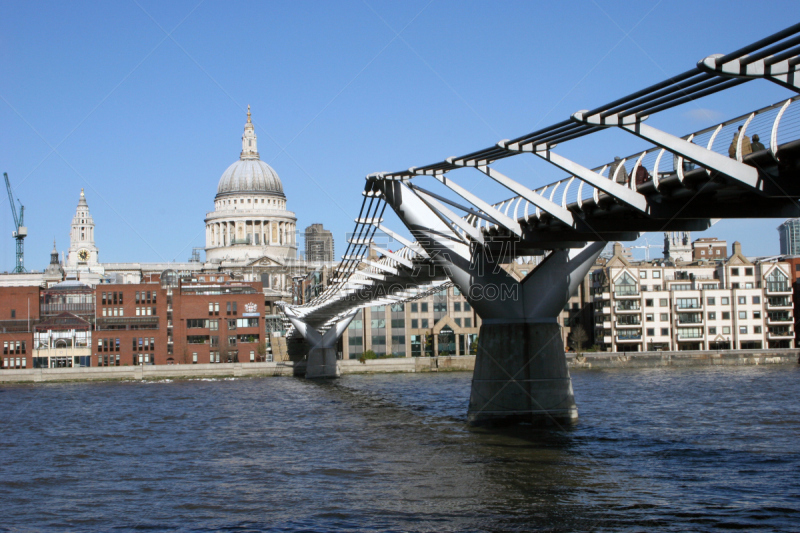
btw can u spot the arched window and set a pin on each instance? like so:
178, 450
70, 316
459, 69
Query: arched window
625, 285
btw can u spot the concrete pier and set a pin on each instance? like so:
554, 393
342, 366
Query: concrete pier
521, 376
322, 363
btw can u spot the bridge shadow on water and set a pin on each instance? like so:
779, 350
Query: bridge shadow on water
499, 479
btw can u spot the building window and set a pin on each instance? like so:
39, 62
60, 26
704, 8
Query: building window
665, 332
656, 274
414, 323
648, 303
748, 271
458, 322
712, 331
734, 285
424, 322
742, 300
742, 315
457, 307
625, 285
414, 307
643, 274
724, 300
756, 329
726, 315
734, 272
423, 307
757, 315
467, 307
712, 315
756, 299
468, 322
649, 317
651, 332
664, 317
662, 302
711, 300
742, 330
726, 330
194, 358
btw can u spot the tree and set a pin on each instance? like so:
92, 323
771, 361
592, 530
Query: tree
185, 356
262, 351
369, 354
429, 344
473, 347
577, 338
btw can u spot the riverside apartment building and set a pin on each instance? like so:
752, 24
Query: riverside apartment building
703, 305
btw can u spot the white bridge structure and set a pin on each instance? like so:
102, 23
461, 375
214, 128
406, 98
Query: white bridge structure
681, 183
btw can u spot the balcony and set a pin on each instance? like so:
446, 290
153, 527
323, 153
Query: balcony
607, 325
697, 308
779, 303
688, 338
628, 324
780, 333
628, 308
779, 320
629, 338
689, 319
626, 294
779, 288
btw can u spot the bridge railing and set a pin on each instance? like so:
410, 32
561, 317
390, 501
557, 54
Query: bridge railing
775, 125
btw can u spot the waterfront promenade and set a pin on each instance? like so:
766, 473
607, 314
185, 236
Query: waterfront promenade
586, 360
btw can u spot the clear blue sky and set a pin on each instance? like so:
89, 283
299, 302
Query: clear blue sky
144, 102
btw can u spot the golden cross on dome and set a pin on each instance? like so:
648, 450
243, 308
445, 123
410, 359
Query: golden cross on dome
248, 113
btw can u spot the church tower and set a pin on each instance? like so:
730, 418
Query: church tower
82, 256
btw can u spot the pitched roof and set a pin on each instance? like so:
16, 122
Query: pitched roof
63, 321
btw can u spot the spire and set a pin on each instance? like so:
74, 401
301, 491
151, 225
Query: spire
54, 254
82, 199
249, 140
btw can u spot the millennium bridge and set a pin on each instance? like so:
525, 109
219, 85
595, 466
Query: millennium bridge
681, 183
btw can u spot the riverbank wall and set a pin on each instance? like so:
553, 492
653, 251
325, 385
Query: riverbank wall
149, 372
683, 359
589, 360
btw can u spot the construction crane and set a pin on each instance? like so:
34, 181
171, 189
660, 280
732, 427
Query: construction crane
20, 231
647, 247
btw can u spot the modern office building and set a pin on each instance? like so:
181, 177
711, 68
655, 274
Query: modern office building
319, 244
789, 233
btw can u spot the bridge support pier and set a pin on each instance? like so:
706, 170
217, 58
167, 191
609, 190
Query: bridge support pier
521, 371
521, 376
322, 360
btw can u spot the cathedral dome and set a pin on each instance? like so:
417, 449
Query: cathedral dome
249, 175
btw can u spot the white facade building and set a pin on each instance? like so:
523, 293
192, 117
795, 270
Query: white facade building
735, 304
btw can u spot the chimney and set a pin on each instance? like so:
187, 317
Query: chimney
737, 248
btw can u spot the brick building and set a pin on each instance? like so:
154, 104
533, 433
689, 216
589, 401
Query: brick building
169, 320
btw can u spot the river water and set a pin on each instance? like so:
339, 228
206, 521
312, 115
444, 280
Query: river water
698, 449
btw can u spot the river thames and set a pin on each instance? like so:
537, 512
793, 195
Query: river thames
698, 449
